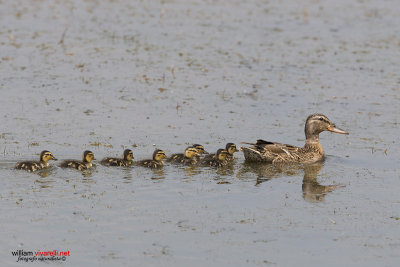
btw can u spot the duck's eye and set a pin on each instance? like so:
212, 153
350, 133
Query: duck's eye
321, 119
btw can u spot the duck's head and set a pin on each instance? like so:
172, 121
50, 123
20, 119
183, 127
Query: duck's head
128, 154
222, 154
88, 156
231, 148
317, 123
158, 155
190, 152
200, 149
46, 156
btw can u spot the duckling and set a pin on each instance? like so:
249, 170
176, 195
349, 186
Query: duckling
265, 151
200, 151
230, 148
32, 166
125, 161
218, 161
85, 164
156, 162
187, 158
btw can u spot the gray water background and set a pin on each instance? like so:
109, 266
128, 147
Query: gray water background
108, 75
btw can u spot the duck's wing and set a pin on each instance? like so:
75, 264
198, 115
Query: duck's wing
266, 151
112, 162
75, 164
29, 166
176, 158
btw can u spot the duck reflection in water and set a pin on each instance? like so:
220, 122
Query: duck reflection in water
158, 174
312, 190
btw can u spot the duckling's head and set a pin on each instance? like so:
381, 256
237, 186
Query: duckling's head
200, 149
46, 156
158, 155
88, 156
190, 152
231, 148
317, 123
128, 154
222, 154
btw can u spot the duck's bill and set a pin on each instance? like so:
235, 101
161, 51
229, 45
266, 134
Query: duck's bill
54, 158
332, 128
205, 152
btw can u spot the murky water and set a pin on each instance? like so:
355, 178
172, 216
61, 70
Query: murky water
106, 75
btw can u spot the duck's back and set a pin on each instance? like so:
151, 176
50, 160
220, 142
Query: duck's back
30, 166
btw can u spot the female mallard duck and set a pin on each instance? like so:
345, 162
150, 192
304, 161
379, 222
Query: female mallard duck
218, 160
264, 151
156, 162
230, 148
32, 166
85, 164
187, 158
126, 161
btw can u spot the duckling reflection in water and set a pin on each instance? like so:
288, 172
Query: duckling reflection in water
126, 161
265, 151
218, 161
32, 166
84, 164
155, 162
187, 158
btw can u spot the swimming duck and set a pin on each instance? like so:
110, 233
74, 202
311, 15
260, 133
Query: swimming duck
156, 162
32, 166
230, 148
125, 161
200, 151
85, 164
187, 158
265, 151
218, 160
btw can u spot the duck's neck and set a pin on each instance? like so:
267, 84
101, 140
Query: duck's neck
312, 143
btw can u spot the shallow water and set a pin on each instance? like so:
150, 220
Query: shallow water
104, 76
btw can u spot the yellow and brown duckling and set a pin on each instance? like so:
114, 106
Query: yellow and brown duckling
200, 151
219, 160
156, 162
32, 166
230, 148
265, 151
187, 158
126, 161
85, 164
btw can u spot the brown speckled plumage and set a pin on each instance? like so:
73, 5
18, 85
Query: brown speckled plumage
126, 161
85, 164
32, 166
156, 162
265, 151
219, 160
187, 158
